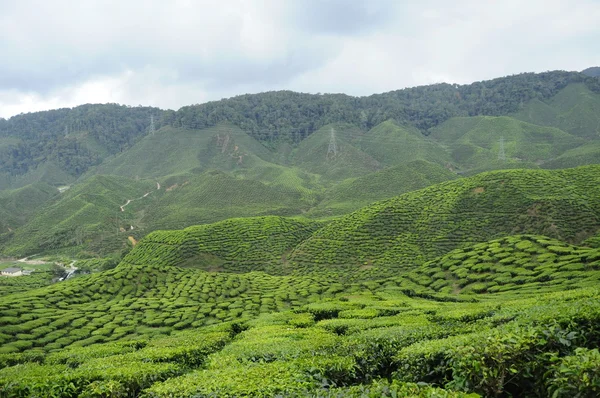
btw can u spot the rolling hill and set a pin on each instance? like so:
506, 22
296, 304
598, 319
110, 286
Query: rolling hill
354, 193
410, 229
299, 245
575, 109
392, 144
233, 245
17, 206
484, 143
341, 161
78, 215
172, 151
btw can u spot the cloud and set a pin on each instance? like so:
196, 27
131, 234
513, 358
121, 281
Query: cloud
169, 54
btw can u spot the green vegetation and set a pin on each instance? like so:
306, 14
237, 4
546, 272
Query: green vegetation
312, 154
213, 196
18, 205
173, 151
392, 144
522, 263
234, 245
407, 230
355, 193
475, 142
292, 245
70, 139
574, 109
119, 333
78, 215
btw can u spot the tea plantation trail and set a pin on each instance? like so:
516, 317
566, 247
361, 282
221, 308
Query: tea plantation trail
141, 197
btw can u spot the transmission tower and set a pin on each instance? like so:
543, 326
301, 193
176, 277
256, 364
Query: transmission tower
332, 150
151, 129
501, 154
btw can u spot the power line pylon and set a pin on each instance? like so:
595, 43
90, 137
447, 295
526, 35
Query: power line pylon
151, 129
501, 154
332, 149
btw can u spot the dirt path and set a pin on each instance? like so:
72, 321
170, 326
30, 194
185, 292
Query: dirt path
25, 260
141, 197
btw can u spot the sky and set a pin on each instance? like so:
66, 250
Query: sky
63, 53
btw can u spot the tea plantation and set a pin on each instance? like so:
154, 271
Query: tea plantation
418, 226
482, 286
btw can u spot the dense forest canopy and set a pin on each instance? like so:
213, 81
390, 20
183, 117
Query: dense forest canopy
76, 139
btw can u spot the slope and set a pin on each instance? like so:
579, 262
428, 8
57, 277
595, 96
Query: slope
161, 331
211, 196
80, 215
331, 153
575, 109
485, 142
522, 263
175, 150
234, 245
415, 227
355, 193
582, 155
18, 205
392, 144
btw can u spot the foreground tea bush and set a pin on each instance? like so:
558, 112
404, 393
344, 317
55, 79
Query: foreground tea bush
576, 375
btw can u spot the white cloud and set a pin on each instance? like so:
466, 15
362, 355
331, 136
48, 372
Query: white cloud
62, 53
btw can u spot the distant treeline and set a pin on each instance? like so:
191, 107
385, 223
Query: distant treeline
76, 139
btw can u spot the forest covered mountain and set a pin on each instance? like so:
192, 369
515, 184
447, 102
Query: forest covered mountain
76, 139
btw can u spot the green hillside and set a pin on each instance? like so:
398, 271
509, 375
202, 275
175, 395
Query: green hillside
524, 263
354, 193
234, 245
47, 172
347, 160
477, 142
418, 226
285, 244
18, 205
582, 155
214, 196
79, 215
392, 144
575, 109
174, 151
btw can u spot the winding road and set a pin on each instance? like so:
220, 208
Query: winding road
141, 197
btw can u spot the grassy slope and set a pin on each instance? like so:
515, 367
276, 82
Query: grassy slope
355, 193
215, 195
475, 142
574, 109
174, 151
312, 154
47, 172
235, 245
258, 335
418, 226
523, 263
392, 144
80, 214
18, 205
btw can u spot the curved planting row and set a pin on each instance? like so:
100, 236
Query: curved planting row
419, 226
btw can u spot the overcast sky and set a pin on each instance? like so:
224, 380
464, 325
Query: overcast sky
62, 53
